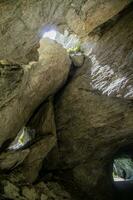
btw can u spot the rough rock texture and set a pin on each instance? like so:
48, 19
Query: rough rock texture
40, 191
112, 59
77, 59
23, 166
10, 79
40, 80
10, 160
93, 111
92, 126
44, 124
22, 22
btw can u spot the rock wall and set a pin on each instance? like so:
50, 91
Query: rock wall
22, 23
94, 112
91, 116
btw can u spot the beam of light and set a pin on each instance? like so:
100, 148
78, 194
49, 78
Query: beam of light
50, 34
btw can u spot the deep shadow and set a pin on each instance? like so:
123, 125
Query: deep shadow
124, 189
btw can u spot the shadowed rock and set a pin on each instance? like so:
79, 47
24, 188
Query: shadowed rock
92, 126
10, 160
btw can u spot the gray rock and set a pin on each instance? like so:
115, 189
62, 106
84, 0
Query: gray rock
34, 161
77, 59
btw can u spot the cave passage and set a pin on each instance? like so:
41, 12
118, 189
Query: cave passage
123, 175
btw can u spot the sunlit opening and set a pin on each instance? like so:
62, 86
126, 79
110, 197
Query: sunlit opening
68, 41
50, 34
123, 168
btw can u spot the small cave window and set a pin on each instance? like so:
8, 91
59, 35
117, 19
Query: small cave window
23, 138
123, 168
122, 175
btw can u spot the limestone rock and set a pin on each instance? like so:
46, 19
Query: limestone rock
29, 193
93, 126
40, 80
94, 110
11, 191
9, 160
10, 80
77, 59
39, 191
112, 58
52, 190
43, 122
34, 161
92, 14
43, 119
23, 22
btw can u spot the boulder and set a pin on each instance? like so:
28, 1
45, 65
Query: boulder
40, 79
43, 122
39, 191
77, 59
11, 191
29, 193
32, 165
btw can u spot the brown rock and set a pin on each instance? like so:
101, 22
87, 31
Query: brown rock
22, 23
40, 80
44, 124
9, 160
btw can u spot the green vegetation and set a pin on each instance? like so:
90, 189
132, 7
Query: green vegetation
75, 49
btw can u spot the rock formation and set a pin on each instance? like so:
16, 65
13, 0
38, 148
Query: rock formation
40, 80
79, 104
22, 23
